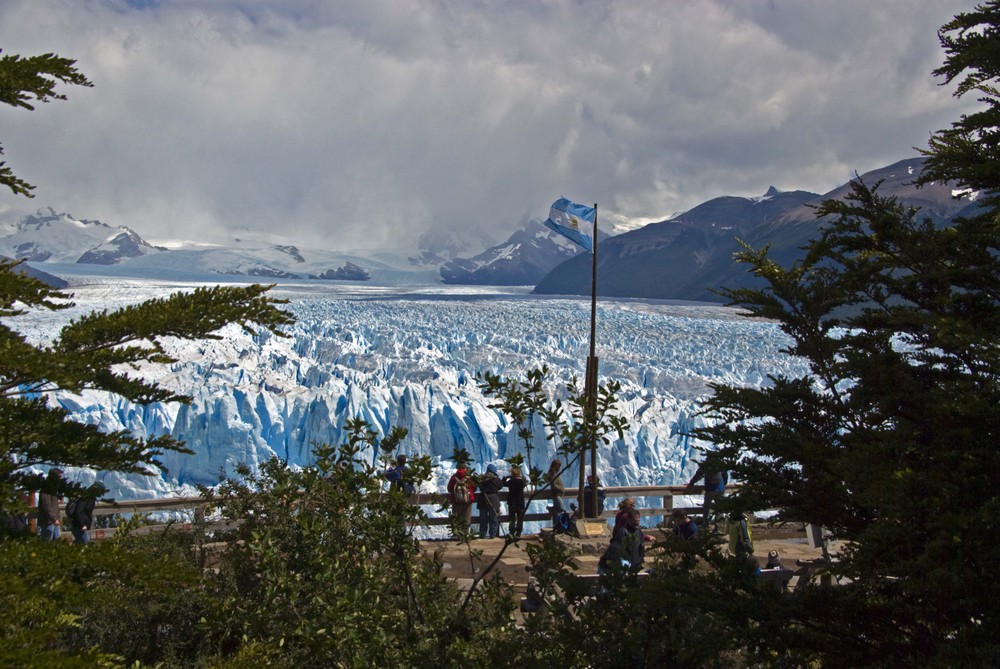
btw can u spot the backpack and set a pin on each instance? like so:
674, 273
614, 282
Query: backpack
71, 508
561, 523
460, 493
740, 535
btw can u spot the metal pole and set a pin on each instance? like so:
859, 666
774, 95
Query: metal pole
592, 378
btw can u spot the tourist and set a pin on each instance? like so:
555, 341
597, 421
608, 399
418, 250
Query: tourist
80, 513
460, 492
715, 490
740, 536
627, 547
488, 503
396, 474
554, 479
515, 500
49, 514
589, 510
623, 509
684, 527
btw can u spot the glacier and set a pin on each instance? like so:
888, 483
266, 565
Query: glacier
409, 357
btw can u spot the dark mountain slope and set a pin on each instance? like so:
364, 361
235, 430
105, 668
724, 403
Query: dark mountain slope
686, 257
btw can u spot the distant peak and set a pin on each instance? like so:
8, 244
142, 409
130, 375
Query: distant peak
771, 192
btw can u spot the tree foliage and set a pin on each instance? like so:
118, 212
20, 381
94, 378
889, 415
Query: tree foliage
567, 423
890, 440
115, 603
98, 351
322, 569
969, 151
26, 81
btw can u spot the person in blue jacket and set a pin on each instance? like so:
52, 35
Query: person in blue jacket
684, 527
715, 490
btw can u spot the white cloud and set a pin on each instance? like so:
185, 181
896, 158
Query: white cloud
363, 123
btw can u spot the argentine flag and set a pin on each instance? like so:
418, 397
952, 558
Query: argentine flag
568, 218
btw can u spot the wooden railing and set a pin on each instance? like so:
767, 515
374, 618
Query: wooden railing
651, 501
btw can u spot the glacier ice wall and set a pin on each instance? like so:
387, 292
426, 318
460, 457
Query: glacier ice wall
411, 360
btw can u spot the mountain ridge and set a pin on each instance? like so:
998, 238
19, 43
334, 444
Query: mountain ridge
691, 255
684, 257
49, 239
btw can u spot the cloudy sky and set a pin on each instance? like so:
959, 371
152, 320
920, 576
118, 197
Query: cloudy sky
364, 123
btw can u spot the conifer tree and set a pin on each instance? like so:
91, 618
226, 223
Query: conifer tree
97, 352
93, 352
890, 440
25, 81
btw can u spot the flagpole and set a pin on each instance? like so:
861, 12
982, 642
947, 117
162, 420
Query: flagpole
565, 218
591, 383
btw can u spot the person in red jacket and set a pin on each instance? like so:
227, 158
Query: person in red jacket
460, 490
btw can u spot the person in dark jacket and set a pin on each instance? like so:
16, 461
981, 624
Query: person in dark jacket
49, 514
21, 523
396, 474
593, 484
554, 479
627, 546
80, 511
715, 490
488, 503
515, 485
684, 527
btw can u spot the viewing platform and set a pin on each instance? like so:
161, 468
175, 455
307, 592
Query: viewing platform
802, 554
654, 504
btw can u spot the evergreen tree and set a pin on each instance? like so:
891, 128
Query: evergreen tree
24, 81
890, 440
969, 151
97, 351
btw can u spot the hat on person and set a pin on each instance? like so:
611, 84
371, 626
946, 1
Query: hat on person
491, 468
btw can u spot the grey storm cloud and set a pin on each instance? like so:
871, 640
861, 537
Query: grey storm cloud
365, 123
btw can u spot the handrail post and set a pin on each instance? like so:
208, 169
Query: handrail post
668, 503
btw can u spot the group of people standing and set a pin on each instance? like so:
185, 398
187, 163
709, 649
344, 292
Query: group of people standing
462, 490
47, 522
627, 539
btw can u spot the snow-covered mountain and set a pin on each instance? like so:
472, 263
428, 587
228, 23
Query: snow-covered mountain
410, 358
48, 236
58, 243
528, 255
437, 246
